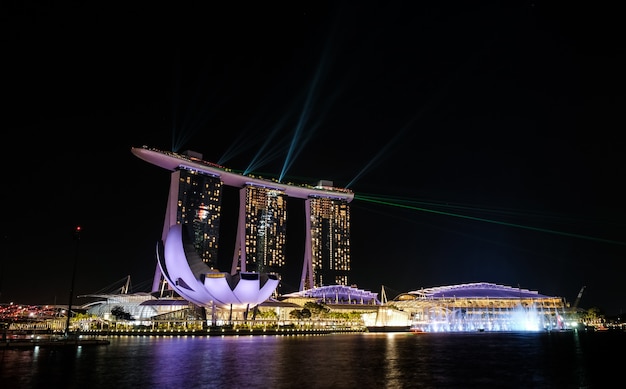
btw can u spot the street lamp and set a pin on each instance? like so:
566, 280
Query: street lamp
69, 309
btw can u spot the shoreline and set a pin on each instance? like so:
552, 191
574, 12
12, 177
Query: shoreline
21, 340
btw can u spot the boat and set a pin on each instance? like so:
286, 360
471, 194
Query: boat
389, 318
388, 328
49, 343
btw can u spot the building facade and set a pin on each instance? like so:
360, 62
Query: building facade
327, 258
261, 231
199, 205
195, 200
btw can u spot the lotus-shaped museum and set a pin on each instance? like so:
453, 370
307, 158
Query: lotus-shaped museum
196, 282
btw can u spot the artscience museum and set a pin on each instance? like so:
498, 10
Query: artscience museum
192, 279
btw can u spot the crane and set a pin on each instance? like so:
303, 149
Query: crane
580, 294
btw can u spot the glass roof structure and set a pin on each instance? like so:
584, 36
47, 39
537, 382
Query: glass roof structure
477, 290
338, 294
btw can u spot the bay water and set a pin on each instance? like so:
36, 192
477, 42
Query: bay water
348, 360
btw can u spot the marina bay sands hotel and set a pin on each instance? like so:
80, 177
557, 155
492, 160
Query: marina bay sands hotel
195, 200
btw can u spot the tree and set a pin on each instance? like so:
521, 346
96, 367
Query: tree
593, 315
119, 313
316, 309
268, 314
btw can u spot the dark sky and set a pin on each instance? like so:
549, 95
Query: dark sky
489, 133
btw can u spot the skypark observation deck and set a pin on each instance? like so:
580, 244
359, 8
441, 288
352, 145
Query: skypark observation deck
172, 161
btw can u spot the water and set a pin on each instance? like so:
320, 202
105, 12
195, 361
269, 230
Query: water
360, 360
508, 320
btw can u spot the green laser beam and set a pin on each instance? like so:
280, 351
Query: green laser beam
414, 208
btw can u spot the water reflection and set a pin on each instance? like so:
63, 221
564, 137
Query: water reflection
400, 360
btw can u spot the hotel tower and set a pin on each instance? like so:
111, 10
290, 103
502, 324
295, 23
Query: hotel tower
195, 202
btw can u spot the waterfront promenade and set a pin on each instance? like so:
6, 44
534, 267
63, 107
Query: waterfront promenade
221, 331
25, 339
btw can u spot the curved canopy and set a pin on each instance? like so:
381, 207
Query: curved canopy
476, 290
338, 293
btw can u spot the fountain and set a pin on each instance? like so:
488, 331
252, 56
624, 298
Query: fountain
519, 318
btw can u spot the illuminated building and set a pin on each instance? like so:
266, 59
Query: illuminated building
482, 306
195, 202
260, 241
327, 253
198, 204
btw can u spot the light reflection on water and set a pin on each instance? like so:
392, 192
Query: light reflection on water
369, 360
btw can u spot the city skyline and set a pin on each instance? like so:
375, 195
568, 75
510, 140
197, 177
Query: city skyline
482, 141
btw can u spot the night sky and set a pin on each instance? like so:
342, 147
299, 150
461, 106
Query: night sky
483, 140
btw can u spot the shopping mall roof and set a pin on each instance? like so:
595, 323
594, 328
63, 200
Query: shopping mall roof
338, 293
475, 290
